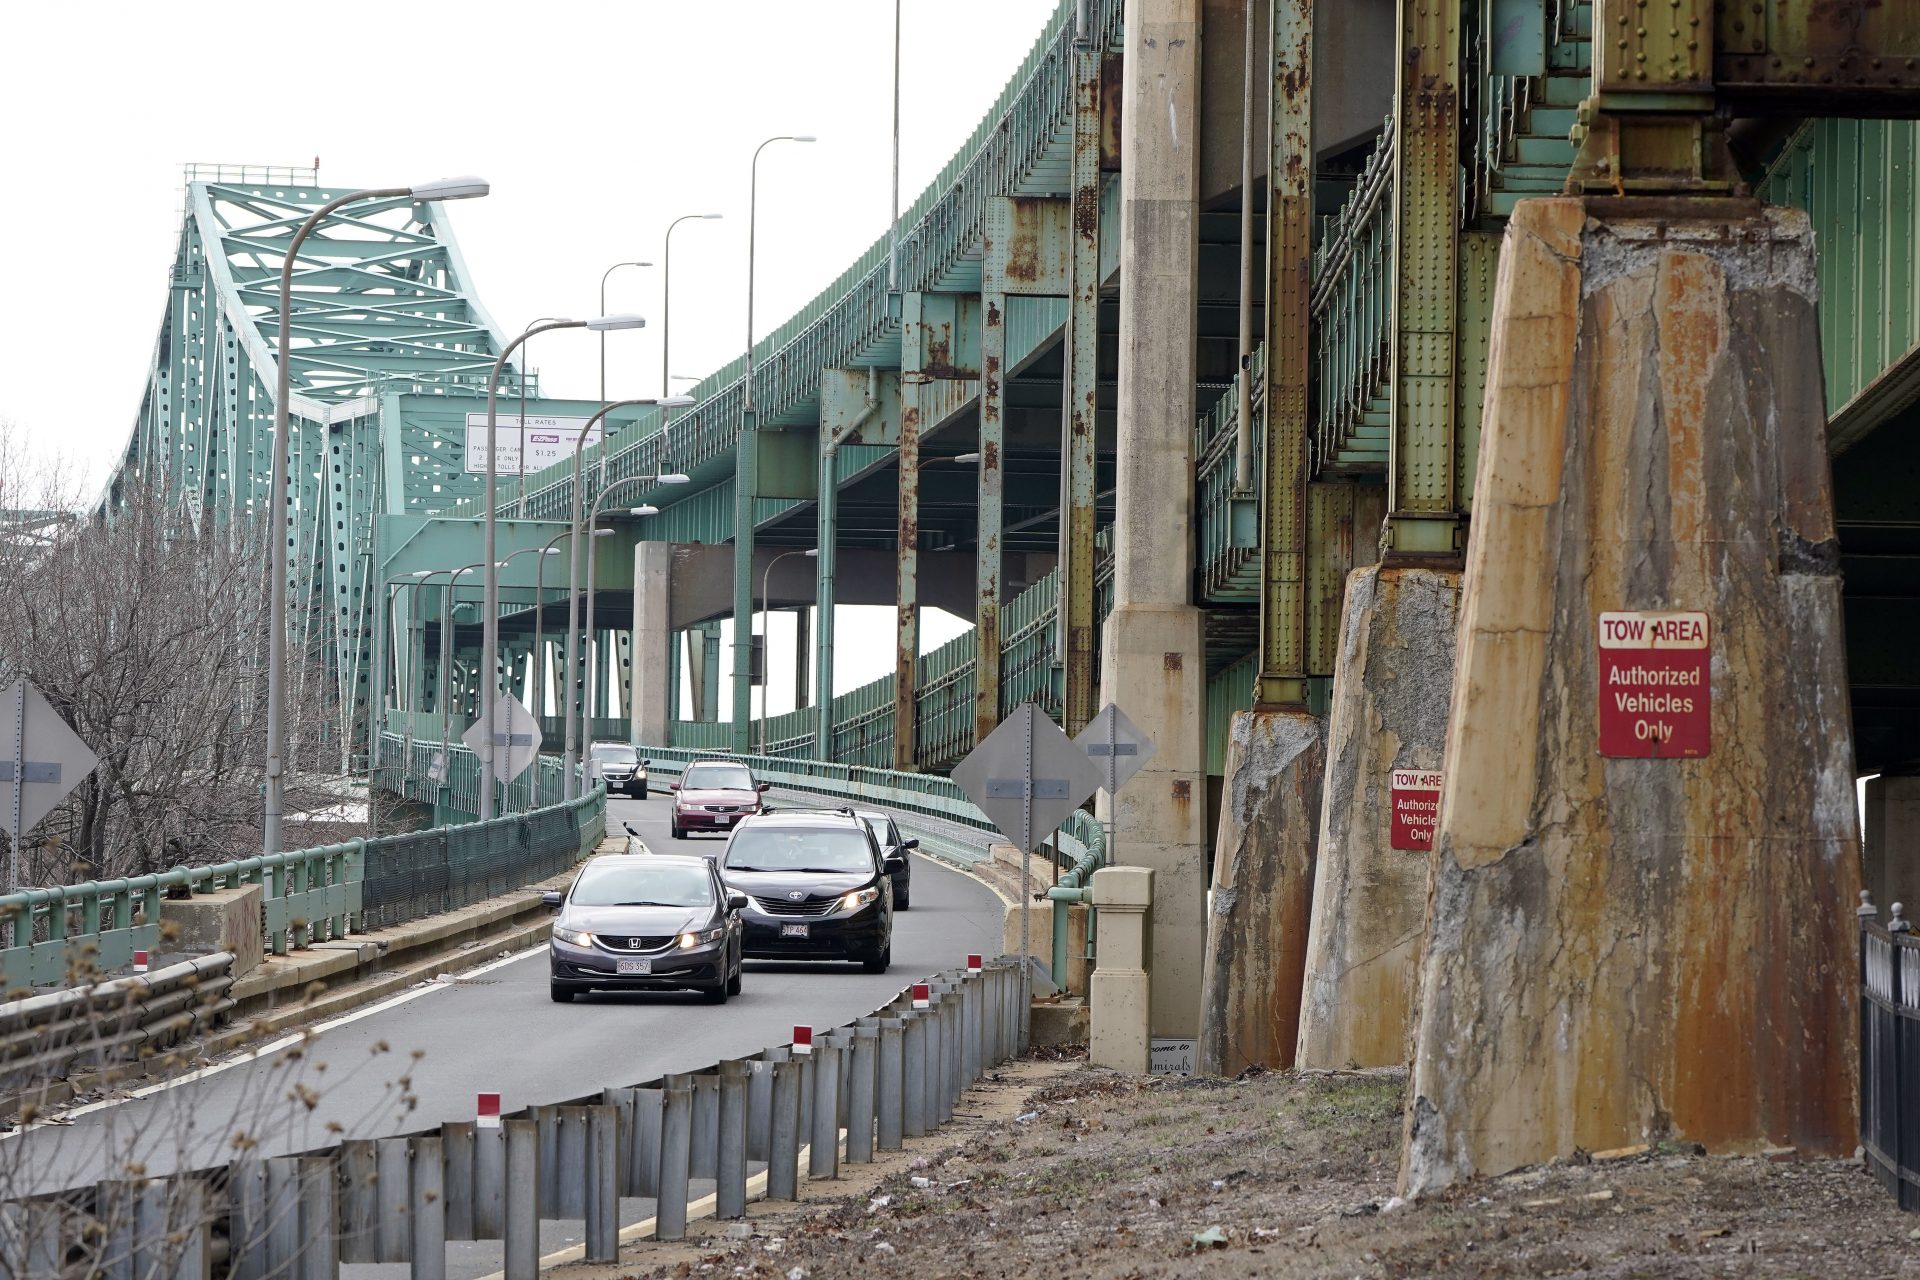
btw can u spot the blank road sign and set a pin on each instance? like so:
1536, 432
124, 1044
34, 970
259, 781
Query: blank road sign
55, 760
1116, 746
1027, 777
516, 738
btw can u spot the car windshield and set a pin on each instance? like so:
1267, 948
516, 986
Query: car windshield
879, 828
643, 884
799, 849
717, 777
616, 754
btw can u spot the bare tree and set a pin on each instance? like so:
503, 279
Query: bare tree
144, 628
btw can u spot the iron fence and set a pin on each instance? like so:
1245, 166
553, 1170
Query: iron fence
1890, 1052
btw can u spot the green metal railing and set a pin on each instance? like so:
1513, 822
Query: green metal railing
75, 933
1534, 69
1352, 318
406, 756
1229, 557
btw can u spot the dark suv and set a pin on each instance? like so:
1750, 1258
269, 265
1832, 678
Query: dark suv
817, 887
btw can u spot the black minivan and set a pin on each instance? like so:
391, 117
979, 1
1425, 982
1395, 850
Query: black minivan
817, 887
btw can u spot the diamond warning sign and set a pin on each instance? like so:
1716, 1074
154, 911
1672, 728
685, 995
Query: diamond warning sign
1416, 809
1656, 688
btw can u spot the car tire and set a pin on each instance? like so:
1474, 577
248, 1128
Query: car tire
899, 898
560, 994
717, 994
733, 983
678, 834
878, 963
641, 794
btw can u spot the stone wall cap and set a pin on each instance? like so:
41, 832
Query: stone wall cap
1123, 887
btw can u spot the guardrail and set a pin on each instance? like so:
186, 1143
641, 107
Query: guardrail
114, 1021
1890, 1052
70, 934
861, 1087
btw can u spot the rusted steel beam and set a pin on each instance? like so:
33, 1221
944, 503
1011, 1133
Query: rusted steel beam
1423, 512
906, 651
1077, 443
1282, 680
993, 354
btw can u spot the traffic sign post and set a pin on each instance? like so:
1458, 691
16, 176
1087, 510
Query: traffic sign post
45, 760
1118, 748
1027, 777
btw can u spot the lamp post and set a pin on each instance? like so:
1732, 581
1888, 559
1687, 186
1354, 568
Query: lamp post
603, 310
275, 768
490, 621
573, 567
766, 630
446, 663
744, 484
543, 553
666, 299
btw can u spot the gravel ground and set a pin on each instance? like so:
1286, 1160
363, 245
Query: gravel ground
1102, 1175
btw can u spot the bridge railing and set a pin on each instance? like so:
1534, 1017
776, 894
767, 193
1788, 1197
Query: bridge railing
1890, 1054
1352, 317
73, 933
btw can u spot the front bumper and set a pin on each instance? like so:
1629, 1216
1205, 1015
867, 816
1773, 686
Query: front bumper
672, 969
849, 935
701, 820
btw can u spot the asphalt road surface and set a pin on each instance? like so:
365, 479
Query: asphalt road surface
421, 1057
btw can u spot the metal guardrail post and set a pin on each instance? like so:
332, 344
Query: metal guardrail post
623, 1102
520, 1199
892, 1099
861, 1072
808, 1066
730, 1190
948, 1011
938, 1110
602, 1208
973, 1001
643, 1154
760, 1103
914, 1073
706, 1124
427, 1207
489, 1184
823, 1161
783, 1138
457, 1154
676, 1153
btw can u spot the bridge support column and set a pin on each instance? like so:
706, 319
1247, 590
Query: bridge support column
1389, 716
906, 652
707, 705
1625, 949
1893, 841
651, 705
1153, 660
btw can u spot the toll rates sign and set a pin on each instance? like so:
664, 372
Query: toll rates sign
1416, 809
1656, 693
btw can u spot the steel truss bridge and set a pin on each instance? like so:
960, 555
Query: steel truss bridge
1001, 337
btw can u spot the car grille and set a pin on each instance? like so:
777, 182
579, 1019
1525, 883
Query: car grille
632, 942
782, 907
724, 808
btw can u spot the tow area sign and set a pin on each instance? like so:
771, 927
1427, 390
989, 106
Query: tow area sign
1656, 690
1416, 809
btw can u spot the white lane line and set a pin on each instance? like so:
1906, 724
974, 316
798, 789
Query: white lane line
276, 1046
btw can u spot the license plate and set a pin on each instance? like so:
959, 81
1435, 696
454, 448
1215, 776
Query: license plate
794, 930
641, 968
722, 819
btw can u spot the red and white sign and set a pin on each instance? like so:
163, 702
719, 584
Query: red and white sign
1656, 688
802, 1041
1416, 809
973, 963
139, 962
487, 1114
922, 995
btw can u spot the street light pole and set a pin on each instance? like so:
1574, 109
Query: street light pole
766, 631
446, 669
573, 569
543, 553
603, 310
666, 302
744, 485
490, 620
275, 768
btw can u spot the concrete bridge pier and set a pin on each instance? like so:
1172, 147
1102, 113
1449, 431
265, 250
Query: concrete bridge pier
1893, 841
1385, 733
1626, 941
1153, 660
651, 703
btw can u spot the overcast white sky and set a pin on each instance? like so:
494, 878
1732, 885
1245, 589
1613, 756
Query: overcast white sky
597, 124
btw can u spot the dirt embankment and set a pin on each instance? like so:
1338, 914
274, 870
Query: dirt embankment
1100, 1175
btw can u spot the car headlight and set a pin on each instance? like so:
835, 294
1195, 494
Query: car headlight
700, 937
578, 937
857, 899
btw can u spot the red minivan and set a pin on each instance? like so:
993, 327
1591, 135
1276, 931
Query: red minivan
712, 795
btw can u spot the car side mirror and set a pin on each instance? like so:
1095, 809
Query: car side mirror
763, 787
910, 844
893, 862
673, 786
646, 764
550, 899
736, 902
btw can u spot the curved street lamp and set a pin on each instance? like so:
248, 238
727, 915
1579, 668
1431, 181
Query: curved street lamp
464, 188
666, 299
